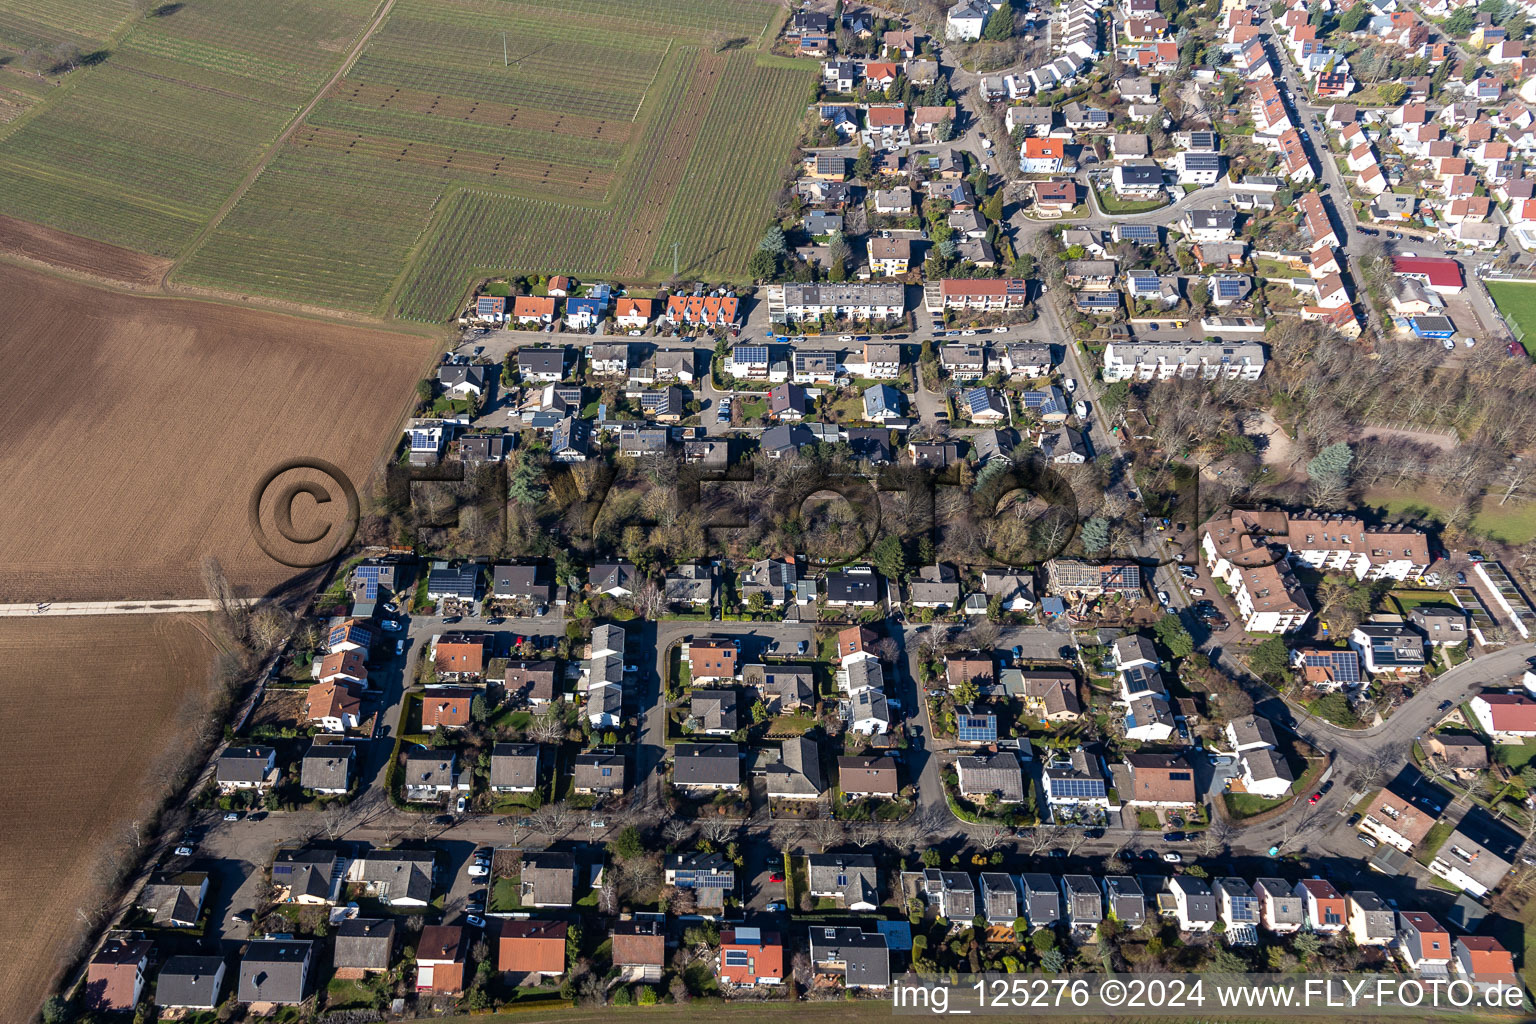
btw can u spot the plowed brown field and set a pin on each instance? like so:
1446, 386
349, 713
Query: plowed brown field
136, 429
86, 255
92, 705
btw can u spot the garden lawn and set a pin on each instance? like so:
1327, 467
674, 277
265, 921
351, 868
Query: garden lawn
1515, 756
1246, 805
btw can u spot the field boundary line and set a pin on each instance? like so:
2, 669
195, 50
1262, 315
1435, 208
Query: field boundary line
272, 150
170, 606
633, 118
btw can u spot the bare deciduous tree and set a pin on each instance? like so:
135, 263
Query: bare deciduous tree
1216, 836
554, 820
649, 600
827, 832
718, 831
547, 728
676, 831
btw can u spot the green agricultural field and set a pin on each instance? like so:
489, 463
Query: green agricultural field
298, 150
584, 152
142, 148
1518, 304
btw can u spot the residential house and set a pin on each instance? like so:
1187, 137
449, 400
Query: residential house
1477, 855
190, 983
174, 899
865, 776
1371, 922
852, 879
114, 977
1041, 899
751, 956
445, 707
1194, 903
1481, 960
240, 768
399, 878
363, 946
442, 950
514, 768
1159, 780
953, 893
706, 766
531, 949
1323, 906
1388, 648
1083, 902
598, 773
311, 875
991, 776
431, 775
1282, 910
275, 972
639, 950
857, 959
1423, 944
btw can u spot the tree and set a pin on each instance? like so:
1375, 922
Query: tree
1199, 297
1095, 534
773, 242
478, 712
966, 692
763, 266
548, 727
627, 844
56, 1011
838, 253
1352, 19
1270, 659
888, 557
1391, 93
864, 163
1216, 836
1000, 25
1170, 630
1332, 463
1462, 21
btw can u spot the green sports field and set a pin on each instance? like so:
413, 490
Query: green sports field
450, 139
1518, 304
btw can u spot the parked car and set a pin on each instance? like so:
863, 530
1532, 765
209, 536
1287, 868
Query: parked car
232, 816
1172, 858
801, 647
399, 647
1367, 840
474, 921
1314, 798
1173, 837
390, 625
460, 805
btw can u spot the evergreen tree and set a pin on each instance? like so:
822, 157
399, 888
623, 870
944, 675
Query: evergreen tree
1000, 25
1332, 463
773, 241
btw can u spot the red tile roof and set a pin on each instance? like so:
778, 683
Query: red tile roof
527, 946
1441, 273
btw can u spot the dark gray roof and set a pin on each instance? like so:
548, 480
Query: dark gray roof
548, 878
407, 873
866, 954
364, 942
191, 981
311, 871
706, 764
327, 766
244, 764
514, 764
275, 971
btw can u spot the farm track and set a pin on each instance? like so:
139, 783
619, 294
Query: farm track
662, 172
282, 140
